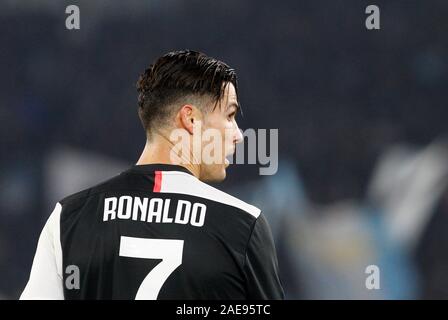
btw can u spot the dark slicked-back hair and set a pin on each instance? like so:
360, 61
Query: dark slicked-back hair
176, 75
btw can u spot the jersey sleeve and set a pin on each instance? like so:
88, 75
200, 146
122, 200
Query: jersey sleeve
261, 265
45, 280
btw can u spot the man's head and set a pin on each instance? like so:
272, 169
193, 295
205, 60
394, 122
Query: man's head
196, 95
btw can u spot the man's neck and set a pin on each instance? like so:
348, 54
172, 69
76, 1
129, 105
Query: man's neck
160, 152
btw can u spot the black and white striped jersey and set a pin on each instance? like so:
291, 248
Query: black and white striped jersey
154, 232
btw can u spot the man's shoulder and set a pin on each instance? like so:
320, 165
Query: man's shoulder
85, 193
183, 183
174, 182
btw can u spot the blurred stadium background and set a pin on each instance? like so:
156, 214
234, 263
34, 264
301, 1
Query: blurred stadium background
363, 171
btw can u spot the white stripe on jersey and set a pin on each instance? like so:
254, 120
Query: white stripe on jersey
46, 273
184, 183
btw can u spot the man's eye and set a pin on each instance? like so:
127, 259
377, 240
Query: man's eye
231, 116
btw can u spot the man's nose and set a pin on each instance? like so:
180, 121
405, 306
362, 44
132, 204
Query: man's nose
238, 135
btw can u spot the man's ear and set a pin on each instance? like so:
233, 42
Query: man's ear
187, 117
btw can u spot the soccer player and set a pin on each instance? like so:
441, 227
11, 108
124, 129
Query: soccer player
157, 230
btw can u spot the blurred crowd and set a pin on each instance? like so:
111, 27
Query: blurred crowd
361, 116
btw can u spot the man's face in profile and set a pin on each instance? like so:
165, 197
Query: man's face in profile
221, 120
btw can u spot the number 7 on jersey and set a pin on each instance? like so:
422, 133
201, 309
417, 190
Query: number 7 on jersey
169, 250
